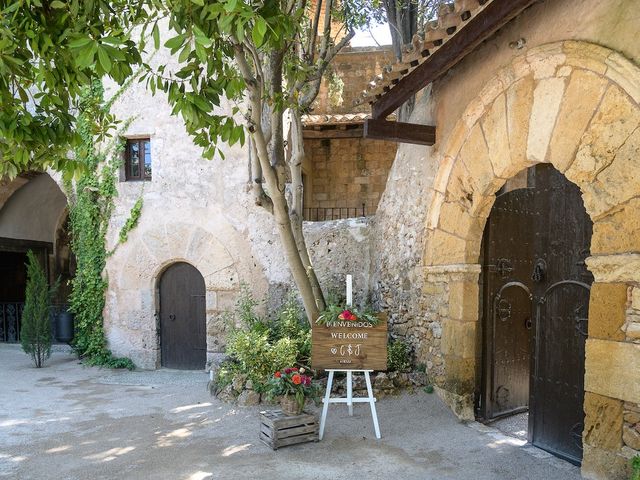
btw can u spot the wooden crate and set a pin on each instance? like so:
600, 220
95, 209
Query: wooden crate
280, 430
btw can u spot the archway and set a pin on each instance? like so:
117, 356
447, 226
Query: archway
535, 295
183, 338
31, 207
573, 105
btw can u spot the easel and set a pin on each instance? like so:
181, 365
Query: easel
349, 400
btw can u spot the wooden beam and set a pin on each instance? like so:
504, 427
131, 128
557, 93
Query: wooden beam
400, 132
494, 16
333, 133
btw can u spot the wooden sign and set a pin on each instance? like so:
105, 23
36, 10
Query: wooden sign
350, 345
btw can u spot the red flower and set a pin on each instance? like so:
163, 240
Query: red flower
294, 369
347, 315
306, 381
277, 374
296, 379
287, 371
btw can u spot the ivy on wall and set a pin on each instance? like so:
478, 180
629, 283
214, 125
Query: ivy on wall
91, 206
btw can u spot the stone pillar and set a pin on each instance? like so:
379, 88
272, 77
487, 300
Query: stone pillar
611, 435
460, 332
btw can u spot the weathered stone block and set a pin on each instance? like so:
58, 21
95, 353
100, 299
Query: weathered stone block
494, 127
475, 156
546, 104
603, 357
631, 437
598, 463
460, 374
463, 300
580, 101
607, 310
603, 421
519, 103
459, 338
618, 232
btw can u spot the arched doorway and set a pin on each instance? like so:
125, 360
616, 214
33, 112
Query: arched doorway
183, 342
535, 308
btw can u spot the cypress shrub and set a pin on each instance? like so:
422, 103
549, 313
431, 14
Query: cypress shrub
35, 331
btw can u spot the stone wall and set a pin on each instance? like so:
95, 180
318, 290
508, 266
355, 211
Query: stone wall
347, 173
501, 110
355, 67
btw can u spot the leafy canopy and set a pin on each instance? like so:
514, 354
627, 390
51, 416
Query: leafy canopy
49, 50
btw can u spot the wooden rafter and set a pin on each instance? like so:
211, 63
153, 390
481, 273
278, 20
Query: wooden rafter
494, 16
400, 132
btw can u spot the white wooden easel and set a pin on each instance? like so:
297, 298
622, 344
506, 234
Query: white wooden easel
349, 400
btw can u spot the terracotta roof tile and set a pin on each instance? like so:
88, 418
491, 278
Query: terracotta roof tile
451, 18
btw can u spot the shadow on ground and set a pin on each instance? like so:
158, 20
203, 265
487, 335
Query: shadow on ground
67, 421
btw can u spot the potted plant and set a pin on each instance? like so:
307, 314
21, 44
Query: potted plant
293, 387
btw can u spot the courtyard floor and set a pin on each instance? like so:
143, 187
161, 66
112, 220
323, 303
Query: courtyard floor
67, 421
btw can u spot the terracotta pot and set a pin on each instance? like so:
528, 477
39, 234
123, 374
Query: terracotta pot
290, 406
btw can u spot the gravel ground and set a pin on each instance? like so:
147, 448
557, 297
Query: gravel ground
67, 421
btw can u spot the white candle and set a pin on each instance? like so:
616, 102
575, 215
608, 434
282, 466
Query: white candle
349, 291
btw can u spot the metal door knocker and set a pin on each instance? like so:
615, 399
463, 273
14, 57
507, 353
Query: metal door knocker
539, 270
172, 317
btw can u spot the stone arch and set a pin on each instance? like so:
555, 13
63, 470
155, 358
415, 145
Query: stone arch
133, 297
574, 105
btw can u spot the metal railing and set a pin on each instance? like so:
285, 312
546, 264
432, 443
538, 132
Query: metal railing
322, 214
11, 317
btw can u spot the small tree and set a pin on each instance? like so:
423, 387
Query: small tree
35, 332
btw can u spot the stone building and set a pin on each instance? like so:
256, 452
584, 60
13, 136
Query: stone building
507, 253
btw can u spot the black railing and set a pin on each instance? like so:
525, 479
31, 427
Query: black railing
11, 317
321, 214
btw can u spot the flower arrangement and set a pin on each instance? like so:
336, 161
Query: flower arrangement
292, 384
336, 313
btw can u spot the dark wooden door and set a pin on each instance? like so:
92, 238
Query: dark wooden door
183, 339
508, 262
536, 299
561, 284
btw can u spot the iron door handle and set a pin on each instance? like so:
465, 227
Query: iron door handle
527, 323
172, 317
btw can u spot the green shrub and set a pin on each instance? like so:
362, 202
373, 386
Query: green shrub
35, 331
398, 356
262, 346
635, 468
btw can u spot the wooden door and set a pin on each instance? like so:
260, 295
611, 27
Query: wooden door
536, 301
561, 285
183, 341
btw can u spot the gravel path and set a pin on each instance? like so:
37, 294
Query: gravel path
67, 421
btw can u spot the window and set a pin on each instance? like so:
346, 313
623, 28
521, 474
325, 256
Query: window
137, 159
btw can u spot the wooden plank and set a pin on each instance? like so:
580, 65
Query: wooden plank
495, 15
333, 133
350, 345
400, 132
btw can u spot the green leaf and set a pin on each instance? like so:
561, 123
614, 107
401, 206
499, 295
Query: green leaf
80, 42
175, 43
198, 2
58, 4
103, 59
156, 36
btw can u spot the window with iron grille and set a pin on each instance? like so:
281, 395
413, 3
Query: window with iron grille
137, 159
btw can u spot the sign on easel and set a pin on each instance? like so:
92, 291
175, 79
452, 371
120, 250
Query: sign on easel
349, 346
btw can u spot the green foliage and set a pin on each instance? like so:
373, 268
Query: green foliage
35, 331
635, 468
398, 356
338, 312
132, 221
262, 346
90, 210
49, 52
